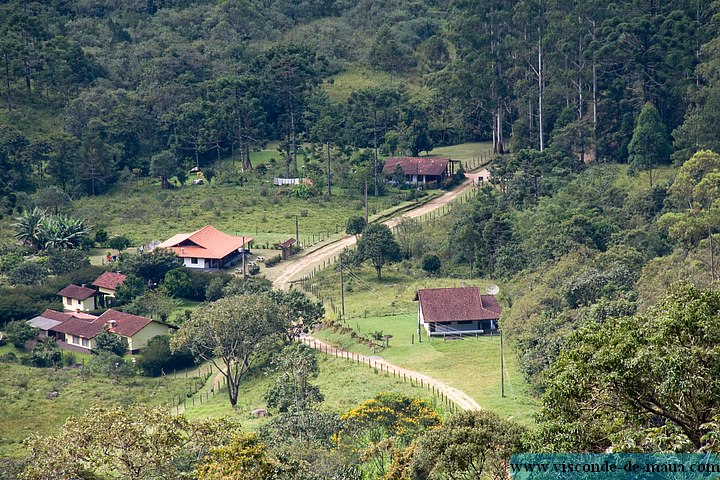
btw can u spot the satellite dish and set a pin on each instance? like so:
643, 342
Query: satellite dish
492, 289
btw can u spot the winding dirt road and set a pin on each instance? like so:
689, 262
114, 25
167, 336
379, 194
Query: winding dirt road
299, 266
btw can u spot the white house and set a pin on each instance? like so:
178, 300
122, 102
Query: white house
208, 248
78, 298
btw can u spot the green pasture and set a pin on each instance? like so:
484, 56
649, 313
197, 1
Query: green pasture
27, 408
471, 364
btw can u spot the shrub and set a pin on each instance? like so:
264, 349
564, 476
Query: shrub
200, 281
274, 260
158, 357
431, 263
19, 332
69, 358
106, 341
177, 282
253, 269
101, 236
46, 353
62, 261
214, 288
28, 273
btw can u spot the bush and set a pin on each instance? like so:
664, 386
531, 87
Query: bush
46, 353
101, 236
106, 341
274, 260
158, 357
431, 264
238, 286
28, 273
177, 282
19, 332
120, 243
214, 288
253, 269
200, 282
63, 261
69, 358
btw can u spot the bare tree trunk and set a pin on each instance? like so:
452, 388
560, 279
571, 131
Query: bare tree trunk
540, 86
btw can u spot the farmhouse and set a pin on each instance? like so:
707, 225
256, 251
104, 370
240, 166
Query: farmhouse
457, 311
208, 248
421, 170
76, 331
78, 298
107, 283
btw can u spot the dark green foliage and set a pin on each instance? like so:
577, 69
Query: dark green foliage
46, 353
106, 341
215, 287
200, 283
19, 332
238, 286
592, 400
119, 243
111, 365
155, 304
131, 288
29, 272
157, 357
178, 283
299, 426
431, 263
152, 266
101, 236
62, 261
355, 225
649, 146
378, 245
468, 445
272, 261
300, 311
292, 390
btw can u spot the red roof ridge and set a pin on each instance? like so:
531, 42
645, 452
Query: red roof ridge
77, 292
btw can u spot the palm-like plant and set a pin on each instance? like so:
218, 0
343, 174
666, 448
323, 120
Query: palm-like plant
61, 231
27, 227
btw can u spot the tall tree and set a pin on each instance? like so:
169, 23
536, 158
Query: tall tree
378, 245
232, 333
650, 145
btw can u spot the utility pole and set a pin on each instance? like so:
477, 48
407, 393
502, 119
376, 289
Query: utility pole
502, 367
297, 234
243, 256
342, 290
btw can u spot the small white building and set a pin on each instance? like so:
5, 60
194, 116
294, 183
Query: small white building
208, 248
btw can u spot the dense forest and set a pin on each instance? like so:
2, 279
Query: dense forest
99, 91
601, 223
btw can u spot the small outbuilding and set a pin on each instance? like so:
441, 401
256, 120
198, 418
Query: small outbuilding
107, 284
457, 311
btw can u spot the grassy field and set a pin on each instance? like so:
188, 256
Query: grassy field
27, 408
471, 364
343, 383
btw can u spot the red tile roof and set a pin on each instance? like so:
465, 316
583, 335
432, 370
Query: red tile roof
77, 292
109, 280
287, 243
418, 165
80, 327
457, 304
126, 324
208, 242
53, 315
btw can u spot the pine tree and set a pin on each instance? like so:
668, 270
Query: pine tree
650, 145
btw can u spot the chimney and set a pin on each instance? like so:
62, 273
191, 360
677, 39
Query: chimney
112, 323
83, 285
182, 250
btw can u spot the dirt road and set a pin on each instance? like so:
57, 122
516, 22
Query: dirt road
297, 267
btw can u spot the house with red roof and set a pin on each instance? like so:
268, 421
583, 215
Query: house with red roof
107, 283
79, 298
457, 311
208, 248
77, 331
421, 170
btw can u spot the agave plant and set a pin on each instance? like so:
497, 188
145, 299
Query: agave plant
27, 227
61, 231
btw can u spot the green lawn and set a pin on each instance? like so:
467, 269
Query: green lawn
343, 383
471, 364
26, 407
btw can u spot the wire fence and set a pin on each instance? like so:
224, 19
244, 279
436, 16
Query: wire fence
190, 398
385, 369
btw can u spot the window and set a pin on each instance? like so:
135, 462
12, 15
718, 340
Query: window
85, 342
79, 302
194, 261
